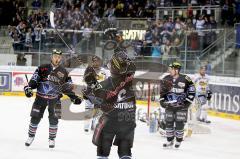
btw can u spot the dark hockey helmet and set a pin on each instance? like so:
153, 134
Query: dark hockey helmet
95, 58
175, 65
96, 62
58, 52
119, 63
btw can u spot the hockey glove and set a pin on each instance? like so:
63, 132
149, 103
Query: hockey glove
28, 91
77, 100
90, 76
163, 104
209, 95
187, 104
165, 87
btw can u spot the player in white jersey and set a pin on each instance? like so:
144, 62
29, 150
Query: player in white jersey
203, 94
101, 76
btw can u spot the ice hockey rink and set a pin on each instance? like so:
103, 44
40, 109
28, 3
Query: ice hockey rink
73, 143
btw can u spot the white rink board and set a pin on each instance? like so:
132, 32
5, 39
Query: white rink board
73, 143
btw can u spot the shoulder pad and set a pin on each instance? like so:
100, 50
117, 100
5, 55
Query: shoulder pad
188, 78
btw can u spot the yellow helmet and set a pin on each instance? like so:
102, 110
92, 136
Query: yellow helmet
176, 65
58, 52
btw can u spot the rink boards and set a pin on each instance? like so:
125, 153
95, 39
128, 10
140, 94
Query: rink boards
224, 103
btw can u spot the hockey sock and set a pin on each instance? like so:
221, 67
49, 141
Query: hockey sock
170, 134
33, 126
204, 115
32, 129
53, 131
179, 135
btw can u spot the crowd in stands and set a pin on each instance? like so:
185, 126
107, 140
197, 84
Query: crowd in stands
165, 36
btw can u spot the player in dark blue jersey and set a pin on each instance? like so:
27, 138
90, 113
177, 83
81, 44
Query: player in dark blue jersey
51, 81
176, 103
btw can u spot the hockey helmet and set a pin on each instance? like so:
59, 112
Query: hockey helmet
58, 52
175, 65
119, 63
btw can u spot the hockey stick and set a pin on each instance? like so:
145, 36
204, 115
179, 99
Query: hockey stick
58, 33
26, 78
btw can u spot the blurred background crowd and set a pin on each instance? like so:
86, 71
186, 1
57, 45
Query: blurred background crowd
30, 29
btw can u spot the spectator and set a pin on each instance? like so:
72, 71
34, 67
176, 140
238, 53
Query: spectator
28, 39
21, 60
193, 2
208, 68
165, 36
148, 39
169, 25
58, 3
87, 32
174, 50
38, 29
156, 49
36, 4
237, 11
140, 12
227, 13
165, 49
212, 24
200, 26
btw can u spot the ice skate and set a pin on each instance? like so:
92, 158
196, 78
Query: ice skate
51, 143
168, 144
177, 144
207, 121
29, 141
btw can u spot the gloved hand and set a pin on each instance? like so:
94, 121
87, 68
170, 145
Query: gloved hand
209, 95
90, 76
77, 100
28, 91
187, 103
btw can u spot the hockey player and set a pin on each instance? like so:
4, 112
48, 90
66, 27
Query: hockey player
176, 103
101, 74
50, 80
203, 94
119, 106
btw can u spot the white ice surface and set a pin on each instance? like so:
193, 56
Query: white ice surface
73, 143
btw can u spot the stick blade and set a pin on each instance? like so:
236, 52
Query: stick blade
52, 19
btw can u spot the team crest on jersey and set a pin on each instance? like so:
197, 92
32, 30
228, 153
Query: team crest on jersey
202, 83
60, 74
181, 84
